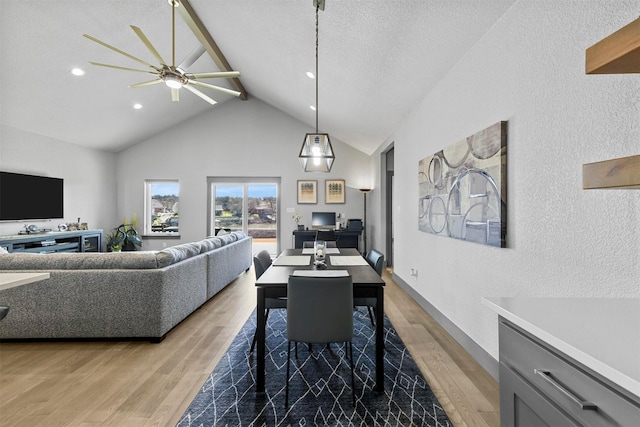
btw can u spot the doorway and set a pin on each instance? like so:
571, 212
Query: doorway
388, 168
250, 205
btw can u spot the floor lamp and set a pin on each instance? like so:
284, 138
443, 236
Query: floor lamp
364, 191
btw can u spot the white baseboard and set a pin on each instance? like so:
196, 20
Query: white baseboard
478, 353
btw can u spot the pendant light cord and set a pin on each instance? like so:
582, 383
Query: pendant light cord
317, 7
173, 36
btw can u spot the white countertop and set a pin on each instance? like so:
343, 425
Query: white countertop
11, 280
601, 333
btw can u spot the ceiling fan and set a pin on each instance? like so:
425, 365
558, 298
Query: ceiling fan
175, 77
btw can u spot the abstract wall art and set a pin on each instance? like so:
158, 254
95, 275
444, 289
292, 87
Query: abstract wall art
462, 189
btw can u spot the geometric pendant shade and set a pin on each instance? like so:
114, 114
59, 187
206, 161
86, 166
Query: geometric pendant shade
316, 154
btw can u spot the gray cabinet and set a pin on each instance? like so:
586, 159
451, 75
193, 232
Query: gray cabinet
64, 241
540, 385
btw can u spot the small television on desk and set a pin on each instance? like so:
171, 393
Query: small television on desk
323, 220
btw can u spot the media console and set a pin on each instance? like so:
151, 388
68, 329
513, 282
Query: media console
344, 238
51, 242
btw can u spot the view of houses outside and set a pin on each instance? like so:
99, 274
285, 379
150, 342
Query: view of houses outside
255, 204
164, 206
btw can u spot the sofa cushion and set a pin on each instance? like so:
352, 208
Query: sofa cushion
79, 261
209, 244
177, 253
226, 239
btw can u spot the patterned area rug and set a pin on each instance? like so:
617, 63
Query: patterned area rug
320, 384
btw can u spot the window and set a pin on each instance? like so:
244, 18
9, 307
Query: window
161, 207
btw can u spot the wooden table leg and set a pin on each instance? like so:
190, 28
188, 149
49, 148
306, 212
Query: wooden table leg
260, 339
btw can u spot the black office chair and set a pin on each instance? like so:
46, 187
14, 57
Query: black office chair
375, 260
309, 244
325, 235
320, 310
262, 261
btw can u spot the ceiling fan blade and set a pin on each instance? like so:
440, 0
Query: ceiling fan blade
118, 50
121, 68
200, 94
148, 44
222, 74
150, 82
175, 95
191, 58
218, 88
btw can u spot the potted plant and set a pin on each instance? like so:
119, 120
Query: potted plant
296, 217
115, 248
126, 235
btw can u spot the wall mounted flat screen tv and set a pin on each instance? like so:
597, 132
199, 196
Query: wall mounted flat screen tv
30, 197
323, 219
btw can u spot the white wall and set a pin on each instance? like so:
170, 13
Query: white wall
237, 138
562, 240
89, 181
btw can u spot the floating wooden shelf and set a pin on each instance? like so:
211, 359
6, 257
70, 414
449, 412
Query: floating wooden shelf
617, 173
616, 54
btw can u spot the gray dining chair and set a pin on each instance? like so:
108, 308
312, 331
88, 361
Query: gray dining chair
320, 310
262, 261
376, 260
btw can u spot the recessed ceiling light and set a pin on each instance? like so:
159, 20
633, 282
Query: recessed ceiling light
313, 108
137, 106
77, 72
310, 75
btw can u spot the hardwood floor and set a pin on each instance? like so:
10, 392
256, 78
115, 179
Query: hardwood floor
144, 384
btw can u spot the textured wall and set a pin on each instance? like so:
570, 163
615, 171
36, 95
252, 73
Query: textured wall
562, 240
237, 138
89, 181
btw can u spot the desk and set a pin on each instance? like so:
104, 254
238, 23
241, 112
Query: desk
344, 238
273, 284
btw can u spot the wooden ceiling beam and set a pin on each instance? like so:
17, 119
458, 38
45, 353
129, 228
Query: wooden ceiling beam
202, 34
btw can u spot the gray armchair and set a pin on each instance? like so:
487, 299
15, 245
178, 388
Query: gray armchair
320, 310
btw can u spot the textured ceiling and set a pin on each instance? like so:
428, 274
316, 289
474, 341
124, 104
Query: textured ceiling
378, 59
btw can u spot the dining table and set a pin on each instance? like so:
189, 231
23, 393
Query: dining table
273, 284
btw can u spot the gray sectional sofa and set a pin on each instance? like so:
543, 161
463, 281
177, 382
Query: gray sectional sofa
127, 295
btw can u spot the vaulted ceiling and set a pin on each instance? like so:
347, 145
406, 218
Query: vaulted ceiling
377, 60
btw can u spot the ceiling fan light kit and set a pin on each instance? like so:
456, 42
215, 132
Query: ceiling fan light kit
316, 154
175, 77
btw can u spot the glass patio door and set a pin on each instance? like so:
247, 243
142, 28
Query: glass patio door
249, 205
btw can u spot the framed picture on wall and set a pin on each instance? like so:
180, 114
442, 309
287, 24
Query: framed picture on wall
334, 191
307, 191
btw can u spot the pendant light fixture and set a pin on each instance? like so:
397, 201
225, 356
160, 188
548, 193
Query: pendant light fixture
316, 154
